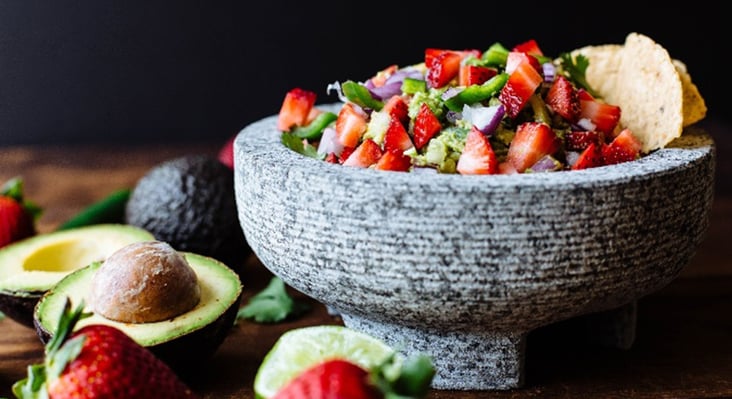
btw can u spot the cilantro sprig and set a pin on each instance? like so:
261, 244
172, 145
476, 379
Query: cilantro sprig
575, 69
272, 305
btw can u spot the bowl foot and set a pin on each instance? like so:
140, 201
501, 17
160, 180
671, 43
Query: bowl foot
464, 360
614, 328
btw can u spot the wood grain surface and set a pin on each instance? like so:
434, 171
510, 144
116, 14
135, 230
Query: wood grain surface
683, 347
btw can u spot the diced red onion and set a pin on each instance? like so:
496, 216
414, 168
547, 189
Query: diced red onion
329, 143
453, 116
486, 119
450, 93
572, 157
337, 87
547, 163
550, 72
585, 124
387, 90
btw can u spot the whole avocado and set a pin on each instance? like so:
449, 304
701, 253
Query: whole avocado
189, 203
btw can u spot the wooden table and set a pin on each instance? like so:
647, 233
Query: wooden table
684, 338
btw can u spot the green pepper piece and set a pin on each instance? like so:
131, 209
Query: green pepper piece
360, 95
476, 93
314, 129
110, 209
540, 112
496, 55
411, 85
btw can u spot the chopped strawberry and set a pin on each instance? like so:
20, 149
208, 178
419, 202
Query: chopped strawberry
365, 155
331, 158
625, 147
396, 137
426, 125
380, 78
443, 68
226, 153
515, 58
350, 125
475, 75
394, 160
580, 139
295, 108
532, 141
15, 222
604, 116
478, 157
530, 46
505, 168
563, 100
347, 151
590, 157
397, 108
521, 85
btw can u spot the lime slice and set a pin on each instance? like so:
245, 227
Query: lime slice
298, 349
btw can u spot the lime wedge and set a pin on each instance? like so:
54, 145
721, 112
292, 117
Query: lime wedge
298, 349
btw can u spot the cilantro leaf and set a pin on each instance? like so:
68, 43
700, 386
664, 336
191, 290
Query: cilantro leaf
575, 70
301, 147
271, 305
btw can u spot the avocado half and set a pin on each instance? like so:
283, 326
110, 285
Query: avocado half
30, 267
184, 341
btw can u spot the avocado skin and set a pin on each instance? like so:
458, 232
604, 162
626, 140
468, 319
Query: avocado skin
20, 307
185, 354
188, 202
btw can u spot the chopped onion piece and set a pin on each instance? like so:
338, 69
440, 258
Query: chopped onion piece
586, 124
453, 116
485, 119
387, 90
572, 157
337, 87
547, 163
329, 143
550, 72
450, 93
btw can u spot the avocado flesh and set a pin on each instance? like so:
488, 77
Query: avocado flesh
194, 334
30, 267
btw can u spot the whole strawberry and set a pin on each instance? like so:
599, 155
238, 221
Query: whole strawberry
340, 378
17, 217
98, 361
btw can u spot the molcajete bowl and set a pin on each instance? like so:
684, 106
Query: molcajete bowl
464, 267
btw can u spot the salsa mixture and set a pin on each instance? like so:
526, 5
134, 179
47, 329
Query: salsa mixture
498, 111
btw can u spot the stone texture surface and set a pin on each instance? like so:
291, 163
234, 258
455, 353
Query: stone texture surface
414, 257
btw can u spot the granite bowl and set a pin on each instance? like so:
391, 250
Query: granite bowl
464, 267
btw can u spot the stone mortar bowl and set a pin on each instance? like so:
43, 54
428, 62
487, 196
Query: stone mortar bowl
463, 267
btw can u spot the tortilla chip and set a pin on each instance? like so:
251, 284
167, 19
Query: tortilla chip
654, 91
695, 109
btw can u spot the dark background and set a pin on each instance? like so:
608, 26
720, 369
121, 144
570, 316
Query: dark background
114, 71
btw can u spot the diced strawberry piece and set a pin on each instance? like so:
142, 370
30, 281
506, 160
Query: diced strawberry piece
579, 140
444, 68
431, 54
532, 141
347, 151
331, 158
365, 155
396, 137
226, 153
475, 75
426, 125
563, 100
394, 160
295, 108
380, 78
590, 157
397, 108
625, 147
604, 116
478, 157
515, 58
530, 46
350, 125
521, 85
314, 112
505, 168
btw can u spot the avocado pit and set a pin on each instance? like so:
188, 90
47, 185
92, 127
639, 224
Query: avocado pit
144, 282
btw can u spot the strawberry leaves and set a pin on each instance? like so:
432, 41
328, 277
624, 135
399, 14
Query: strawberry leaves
13, 188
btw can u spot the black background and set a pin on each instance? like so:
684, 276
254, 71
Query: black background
115, 71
